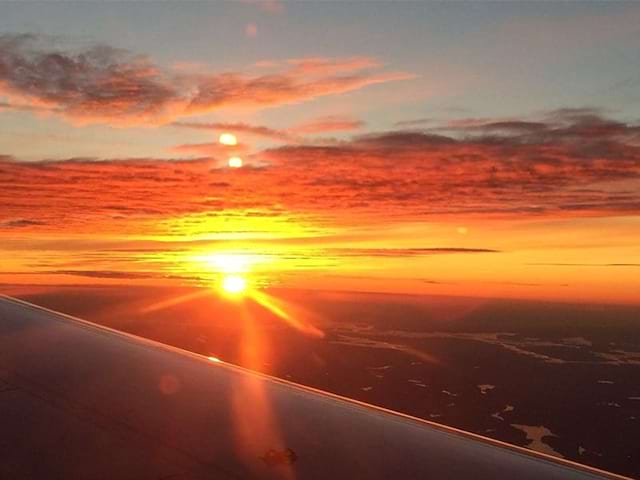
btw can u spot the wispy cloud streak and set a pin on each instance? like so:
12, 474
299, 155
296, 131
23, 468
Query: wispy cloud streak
103, 84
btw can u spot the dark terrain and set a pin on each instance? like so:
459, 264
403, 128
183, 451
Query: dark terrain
495, 367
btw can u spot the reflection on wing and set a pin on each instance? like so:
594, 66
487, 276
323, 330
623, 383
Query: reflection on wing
82, 401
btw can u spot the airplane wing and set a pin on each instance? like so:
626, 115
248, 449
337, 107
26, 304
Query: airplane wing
81, 401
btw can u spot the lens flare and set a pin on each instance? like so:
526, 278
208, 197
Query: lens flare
235, 162
228, 139
234, 284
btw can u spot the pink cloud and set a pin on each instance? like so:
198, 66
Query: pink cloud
333, 123
331, 66
102, 84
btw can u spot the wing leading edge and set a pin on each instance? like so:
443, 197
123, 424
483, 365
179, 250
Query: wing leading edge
78, 401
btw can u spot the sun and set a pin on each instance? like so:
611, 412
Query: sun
234, 284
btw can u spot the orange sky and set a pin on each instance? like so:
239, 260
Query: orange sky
547, 214
336, 191
159, 222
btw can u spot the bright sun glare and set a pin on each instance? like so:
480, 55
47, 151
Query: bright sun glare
230, 262
235, 162
228, 139
234, 284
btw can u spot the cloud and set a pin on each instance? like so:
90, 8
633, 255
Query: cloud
495, 126
587, 264
329, 66
416, 122
406, 252
211, 149
294, 134
332, 123
19, 223
27, 108
562, 126
241, 128
102, 84
106, 274
575, 164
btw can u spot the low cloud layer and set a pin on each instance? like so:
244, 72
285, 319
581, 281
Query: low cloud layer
573, 163
102, 84
408, 252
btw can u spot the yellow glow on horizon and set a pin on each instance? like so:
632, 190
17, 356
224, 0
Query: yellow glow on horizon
235, 162
234, 284
230, 262
240, 225
212, 268
286, 251
228, 139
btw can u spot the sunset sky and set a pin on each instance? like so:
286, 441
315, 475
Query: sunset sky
469, 149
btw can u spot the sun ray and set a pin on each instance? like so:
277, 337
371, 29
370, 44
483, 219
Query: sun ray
175, 301
280, 308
